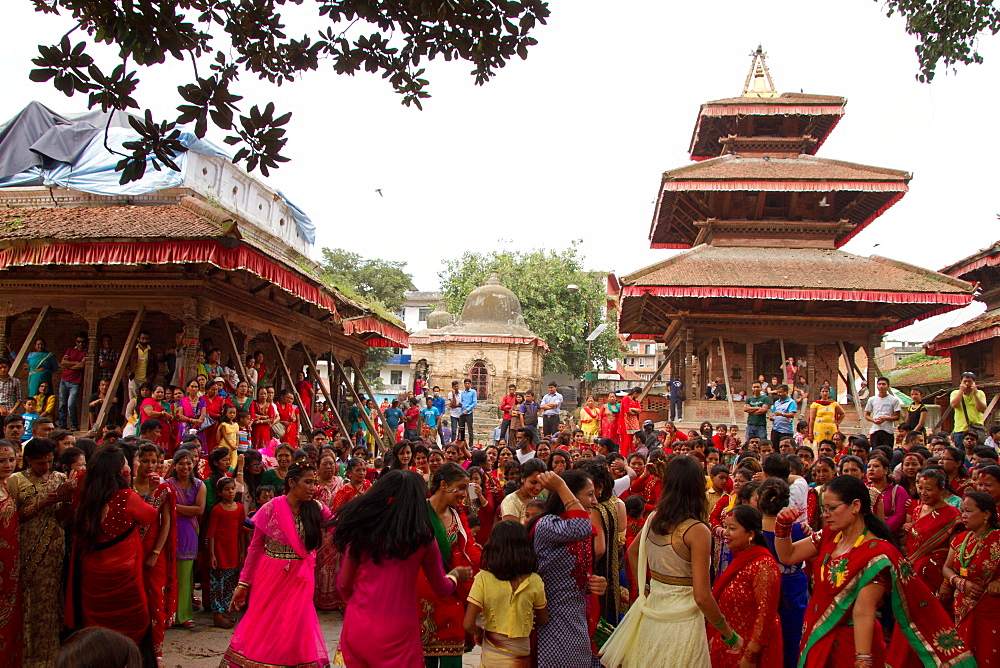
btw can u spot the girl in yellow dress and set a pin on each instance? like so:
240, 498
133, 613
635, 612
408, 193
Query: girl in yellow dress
824, 416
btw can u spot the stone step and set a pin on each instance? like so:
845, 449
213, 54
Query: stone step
717, 412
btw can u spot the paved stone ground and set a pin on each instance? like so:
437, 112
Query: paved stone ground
204, 645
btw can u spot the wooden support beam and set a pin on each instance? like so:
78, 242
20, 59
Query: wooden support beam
227, 328
851, 388
116, 377
30, 339
759, 208
306, 420
354, 394
386, 437
327, 395
725, 377
260, 287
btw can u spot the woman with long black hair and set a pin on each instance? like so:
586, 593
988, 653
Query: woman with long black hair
105, 584
386, 537
562, 538
280, 567
855, 564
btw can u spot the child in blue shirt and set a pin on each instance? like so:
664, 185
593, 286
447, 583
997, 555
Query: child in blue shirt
29, 416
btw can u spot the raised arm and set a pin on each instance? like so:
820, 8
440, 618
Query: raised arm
789, 552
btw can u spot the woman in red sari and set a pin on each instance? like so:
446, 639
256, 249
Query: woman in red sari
159, 544
11, 626
105, 582
611, 426
952, 460
930, 524
288, 415
153, 409
263, 414
306, 392
328, 483
748, 594
356, 483
972, 578
441, 617
213, 410
855, 565
629, 417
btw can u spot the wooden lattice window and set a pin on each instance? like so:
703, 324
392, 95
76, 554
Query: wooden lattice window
480, 379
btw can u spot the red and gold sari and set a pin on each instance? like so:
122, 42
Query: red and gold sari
748, 593
629, 422
11, 624
328, 557
160, 581
927, 542
978, 617
441, 617
611, 422
921, 621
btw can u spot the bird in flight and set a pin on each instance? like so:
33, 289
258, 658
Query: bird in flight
379, 191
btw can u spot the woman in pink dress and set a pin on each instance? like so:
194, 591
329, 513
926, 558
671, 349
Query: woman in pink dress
379, 573
280, 567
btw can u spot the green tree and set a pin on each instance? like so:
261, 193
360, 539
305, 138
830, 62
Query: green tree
381, 283
916, 358
539, 279
947, 31
374, 280
223, 39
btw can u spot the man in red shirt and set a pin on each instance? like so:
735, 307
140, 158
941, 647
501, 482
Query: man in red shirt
506, 405
70, 381
411, 421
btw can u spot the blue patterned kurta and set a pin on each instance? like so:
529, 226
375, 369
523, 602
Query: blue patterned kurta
565, 562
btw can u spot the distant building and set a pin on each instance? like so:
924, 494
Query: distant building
643, 358
489, 343
891, 353
396, 373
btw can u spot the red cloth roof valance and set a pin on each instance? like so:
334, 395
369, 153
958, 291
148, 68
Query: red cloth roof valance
939, 347
387, 334
771, 110
481, 339
799, 294
170, 252
786, 186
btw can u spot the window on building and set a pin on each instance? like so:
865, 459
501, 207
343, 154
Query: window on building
396, 377
480, 378
630, 361
650, 348
401, 313
643, 361
424, 312
397, 351
634, 347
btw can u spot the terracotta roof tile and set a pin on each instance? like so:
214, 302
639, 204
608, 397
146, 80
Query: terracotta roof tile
784, 98
806, 268
981, 322
801, 167
127, 222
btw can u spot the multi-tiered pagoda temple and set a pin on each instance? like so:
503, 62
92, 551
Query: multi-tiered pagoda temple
764, 219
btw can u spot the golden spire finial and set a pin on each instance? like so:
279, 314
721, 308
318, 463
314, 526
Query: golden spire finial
759, 82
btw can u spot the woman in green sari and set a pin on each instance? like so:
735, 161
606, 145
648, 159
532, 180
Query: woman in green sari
41, 365
441, 618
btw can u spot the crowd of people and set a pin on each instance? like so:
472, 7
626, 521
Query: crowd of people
614, 544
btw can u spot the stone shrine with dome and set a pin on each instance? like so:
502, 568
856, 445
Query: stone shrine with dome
488, 343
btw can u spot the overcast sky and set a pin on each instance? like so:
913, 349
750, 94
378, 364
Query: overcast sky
571, 142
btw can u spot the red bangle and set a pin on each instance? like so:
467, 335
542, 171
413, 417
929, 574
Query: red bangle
782, 530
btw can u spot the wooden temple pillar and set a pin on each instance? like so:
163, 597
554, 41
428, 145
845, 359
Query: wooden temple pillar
89, 367
4, 334
872, 371
811, 370
751, 376
687, 350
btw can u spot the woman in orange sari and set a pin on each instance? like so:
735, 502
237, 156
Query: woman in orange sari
106, 583
11, 625
972, 578
855, 565
748, 594
159, 544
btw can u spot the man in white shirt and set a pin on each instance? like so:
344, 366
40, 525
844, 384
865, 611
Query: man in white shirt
454, 407
551, 403
882, 410
526, 444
